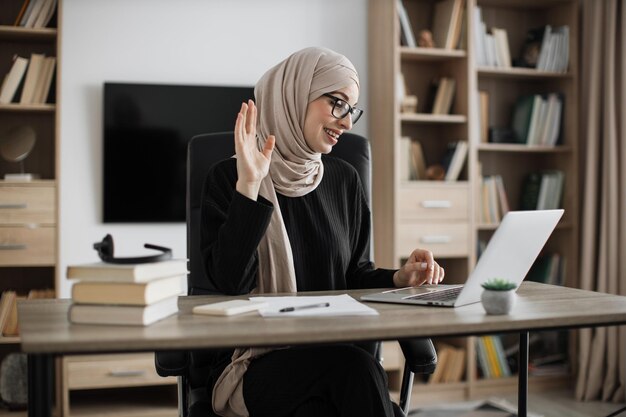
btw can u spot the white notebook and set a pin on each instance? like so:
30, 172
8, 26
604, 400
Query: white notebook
229, 308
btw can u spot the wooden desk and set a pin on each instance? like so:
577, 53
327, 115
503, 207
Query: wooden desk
45, 331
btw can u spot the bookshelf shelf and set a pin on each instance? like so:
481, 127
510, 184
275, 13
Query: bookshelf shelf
523, 4
13, 413
15, 107
520, 73
515, 148
417, 185
20, 33
431, 54
494, 226
10, 340
433, 118
492, 92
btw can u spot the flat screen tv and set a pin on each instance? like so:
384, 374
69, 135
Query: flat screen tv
146, 131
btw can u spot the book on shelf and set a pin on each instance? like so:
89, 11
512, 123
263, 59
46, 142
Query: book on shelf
123, 315
44, 81
503, 363
36, 14
546, 48
35, 67
445, 88
7, 299
537, 119
21, 13
503, 199
483, 99
90, 292
45, 15
41, 293
495, 202
486, 211
13, 79
143, 272
443, 353
478, 34
11, 327
8, 309
450, 364
495, 47
407, 172
413, 165
31, 14
446, 27
547, 269
492, 359
530, 191
419, 160
483, 361
455, 369
522, 113
459, 155
407, 37
502, 50
542, 190
490, 49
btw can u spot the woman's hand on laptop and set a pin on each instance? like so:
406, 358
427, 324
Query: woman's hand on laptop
420, 268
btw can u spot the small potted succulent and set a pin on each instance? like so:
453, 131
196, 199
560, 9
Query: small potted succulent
498, 296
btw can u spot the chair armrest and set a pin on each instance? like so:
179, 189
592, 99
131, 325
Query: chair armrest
171, 363
420, 355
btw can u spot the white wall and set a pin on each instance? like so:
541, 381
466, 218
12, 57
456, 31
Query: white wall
180, 42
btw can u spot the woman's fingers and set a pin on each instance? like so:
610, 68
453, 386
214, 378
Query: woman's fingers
239, 124
269, 146
251, 118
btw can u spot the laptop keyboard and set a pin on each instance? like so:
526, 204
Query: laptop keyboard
443, 295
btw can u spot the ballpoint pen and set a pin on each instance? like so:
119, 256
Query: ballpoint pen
295, 308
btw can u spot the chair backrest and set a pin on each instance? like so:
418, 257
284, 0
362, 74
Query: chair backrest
206, 150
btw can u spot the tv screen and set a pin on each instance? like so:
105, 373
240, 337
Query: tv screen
146, 131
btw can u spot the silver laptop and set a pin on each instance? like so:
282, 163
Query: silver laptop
510, 253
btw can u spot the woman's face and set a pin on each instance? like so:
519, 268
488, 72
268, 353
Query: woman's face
321, 128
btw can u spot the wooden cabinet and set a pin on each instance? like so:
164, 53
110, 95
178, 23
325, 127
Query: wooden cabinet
445, 216
88, 381
27, 224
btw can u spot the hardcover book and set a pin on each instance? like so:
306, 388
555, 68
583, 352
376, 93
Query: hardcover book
123, 315
101, 271
90, 292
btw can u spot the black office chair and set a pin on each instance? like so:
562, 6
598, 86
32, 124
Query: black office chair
191, 368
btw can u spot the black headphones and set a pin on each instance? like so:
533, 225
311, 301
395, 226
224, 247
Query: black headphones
105, 251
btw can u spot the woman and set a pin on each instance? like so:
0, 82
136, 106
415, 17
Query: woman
279, 218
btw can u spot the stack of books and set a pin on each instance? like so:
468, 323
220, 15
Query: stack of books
30, 80
450, 364
492, 359
537, 119
133, 294
8, 309
36, 14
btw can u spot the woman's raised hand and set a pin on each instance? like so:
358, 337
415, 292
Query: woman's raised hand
420, 268
252, 164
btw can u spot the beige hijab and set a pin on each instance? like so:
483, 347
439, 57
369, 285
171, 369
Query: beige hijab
282, 97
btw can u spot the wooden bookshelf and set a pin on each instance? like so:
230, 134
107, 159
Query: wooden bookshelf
513, 161
29, 210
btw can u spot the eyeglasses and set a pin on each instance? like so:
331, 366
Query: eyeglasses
341, 109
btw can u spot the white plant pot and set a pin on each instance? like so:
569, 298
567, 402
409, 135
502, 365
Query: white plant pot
498, 302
